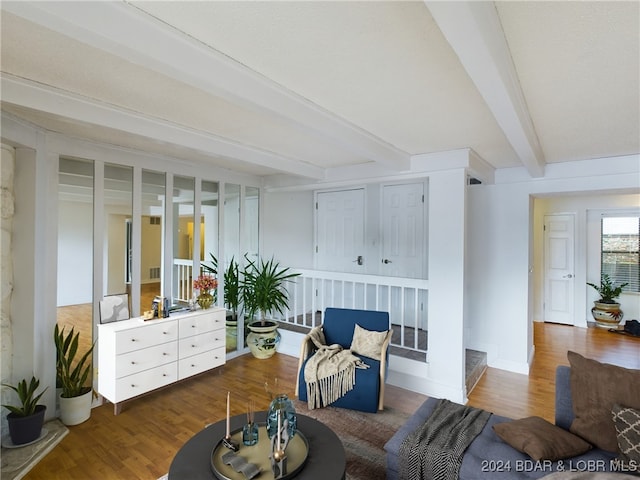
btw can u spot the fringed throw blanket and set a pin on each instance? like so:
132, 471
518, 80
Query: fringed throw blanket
330, 372
434, 450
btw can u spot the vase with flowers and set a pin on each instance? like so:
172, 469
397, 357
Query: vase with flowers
206, 284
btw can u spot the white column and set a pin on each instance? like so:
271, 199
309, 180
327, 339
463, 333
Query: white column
447, 231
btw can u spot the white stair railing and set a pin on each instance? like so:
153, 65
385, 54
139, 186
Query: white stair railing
183, 287
404, 298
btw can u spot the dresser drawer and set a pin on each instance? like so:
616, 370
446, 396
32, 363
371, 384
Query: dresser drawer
197, 324
139, 383
145, 359
145, 336
201, 362
188, 347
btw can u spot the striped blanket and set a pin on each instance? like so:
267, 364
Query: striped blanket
434, 450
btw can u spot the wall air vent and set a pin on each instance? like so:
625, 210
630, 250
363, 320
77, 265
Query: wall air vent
154, 272
154, 220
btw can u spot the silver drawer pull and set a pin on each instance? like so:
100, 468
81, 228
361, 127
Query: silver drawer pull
164, 374
133, 340
165, 333
133, 386
133, 363
193, 326
192, 365
193, 346
165, 353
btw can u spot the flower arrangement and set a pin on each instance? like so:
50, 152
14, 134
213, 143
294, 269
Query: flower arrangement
205, 283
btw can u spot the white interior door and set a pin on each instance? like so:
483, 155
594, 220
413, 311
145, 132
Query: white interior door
403, 246
340, 231
559, 244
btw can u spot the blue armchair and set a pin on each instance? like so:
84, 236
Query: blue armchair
338, 327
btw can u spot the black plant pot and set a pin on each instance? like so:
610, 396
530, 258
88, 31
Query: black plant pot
26, 429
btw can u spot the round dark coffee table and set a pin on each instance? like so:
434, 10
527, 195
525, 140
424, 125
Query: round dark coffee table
326, 458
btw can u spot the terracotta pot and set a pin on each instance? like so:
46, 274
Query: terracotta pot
607, 315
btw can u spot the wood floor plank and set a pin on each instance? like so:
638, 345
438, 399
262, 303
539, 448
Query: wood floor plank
141, 442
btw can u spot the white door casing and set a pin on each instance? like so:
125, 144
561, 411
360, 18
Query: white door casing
559, 277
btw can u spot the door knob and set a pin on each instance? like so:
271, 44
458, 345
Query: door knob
386, 260
568, 276
359, 260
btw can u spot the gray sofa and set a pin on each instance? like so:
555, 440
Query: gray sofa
488, 457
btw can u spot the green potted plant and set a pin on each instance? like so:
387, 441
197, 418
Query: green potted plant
606, 311
71, 375
263, 291
25, 421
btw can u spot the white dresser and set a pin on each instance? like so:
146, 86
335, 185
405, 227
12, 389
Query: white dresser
137, 356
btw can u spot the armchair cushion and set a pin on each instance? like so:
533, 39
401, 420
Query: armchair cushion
368, 343
338, 324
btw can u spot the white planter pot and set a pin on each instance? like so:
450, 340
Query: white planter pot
263, 338
75, 410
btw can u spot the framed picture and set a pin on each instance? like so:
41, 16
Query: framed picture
114, 308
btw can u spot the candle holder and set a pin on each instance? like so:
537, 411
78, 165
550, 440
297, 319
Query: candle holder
226, 441
230, 444
279, 444
250, 434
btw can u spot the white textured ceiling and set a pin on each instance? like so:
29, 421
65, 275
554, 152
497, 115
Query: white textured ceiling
305, 88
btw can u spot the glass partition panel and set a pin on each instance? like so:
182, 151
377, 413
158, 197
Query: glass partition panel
118, 201
183, 240
151, 234
251, 221
209, 228
75, 249
232, 251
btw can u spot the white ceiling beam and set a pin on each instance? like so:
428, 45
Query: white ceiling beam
474, 32
28, 94
125, 31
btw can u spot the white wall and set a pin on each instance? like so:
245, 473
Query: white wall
498, 274
499, 245
287, 228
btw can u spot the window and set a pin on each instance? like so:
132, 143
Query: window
621, 251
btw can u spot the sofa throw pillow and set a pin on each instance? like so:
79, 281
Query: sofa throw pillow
595, 388
368, 343
540, 439
627, 423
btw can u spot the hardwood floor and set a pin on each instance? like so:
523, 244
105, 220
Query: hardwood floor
141, 442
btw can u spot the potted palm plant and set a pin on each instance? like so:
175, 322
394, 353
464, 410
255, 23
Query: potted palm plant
263, 292
72, 375
606, 311
25, 421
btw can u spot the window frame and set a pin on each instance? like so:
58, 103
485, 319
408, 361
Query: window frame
634, 283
